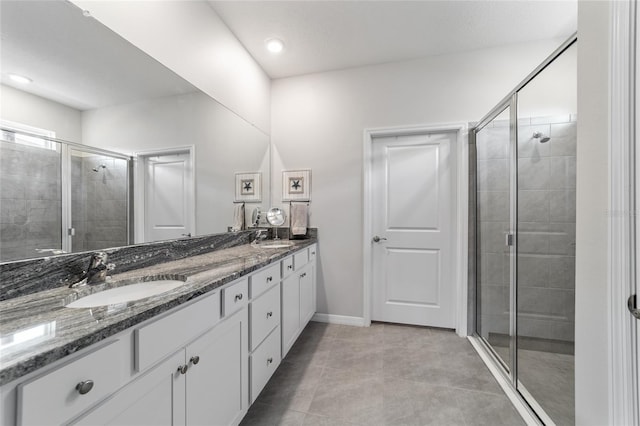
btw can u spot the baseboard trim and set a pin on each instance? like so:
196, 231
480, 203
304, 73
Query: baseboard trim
339, 319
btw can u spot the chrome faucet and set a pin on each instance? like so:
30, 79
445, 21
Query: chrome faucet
97, 271
261, 234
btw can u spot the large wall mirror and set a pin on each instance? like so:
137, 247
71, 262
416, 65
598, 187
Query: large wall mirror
129, 120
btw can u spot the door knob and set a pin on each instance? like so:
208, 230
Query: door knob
377, 239
631, 304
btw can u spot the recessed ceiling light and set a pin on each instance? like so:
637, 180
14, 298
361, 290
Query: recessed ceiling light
274, 45
20, 79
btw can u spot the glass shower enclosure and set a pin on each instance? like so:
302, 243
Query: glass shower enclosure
523, 165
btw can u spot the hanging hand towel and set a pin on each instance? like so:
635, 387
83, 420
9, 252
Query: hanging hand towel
238, 218
299, 216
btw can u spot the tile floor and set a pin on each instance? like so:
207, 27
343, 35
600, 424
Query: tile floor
381, 375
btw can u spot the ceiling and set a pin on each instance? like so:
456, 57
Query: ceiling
330, 35
75, 60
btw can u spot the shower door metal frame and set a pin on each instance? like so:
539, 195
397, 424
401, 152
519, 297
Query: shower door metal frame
511, 376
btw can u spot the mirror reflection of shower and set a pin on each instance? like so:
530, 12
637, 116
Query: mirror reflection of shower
538, 135
97, 168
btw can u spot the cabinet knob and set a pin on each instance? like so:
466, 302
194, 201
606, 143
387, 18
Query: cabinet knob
269, 361
313, 253
195, 359
269, 314
269, 279
303, 275
183, 369
238, 296
84, 386
290, 267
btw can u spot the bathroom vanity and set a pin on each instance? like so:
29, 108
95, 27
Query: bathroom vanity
197, 354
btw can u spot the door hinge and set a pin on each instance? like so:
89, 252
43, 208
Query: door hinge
509, 240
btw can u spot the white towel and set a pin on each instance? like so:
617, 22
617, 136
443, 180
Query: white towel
299, 217
238, 218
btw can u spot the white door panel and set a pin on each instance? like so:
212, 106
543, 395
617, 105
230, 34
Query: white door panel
168, 196
412, 201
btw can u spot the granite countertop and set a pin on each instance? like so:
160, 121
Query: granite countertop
37, 329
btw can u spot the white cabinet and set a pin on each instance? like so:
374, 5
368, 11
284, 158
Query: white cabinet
155, 398
307, 295
201, 384
298, 297
290, 312
203, 363
216, 390
264, 333
67, 391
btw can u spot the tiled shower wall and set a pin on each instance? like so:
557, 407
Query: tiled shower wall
30, 206
546, 227
99, 202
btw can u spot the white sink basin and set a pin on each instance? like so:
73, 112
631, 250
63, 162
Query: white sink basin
127, 293
275, 245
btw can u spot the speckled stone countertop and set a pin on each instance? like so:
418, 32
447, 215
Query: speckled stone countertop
37, 329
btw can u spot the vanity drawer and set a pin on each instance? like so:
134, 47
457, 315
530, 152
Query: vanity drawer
264, 362
235, 297
312, 252
54, 399
300, 259
287, 266
265, 315
263, 279
158, 339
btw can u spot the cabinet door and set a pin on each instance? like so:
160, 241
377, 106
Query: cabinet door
290, 311
307, 305
217, 380
156, 398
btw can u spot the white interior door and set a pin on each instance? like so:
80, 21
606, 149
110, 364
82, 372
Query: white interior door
168, 196
413, 281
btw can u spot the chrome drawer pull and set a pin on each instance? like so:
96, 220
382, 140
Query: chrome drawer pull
269, 361
269, 279
183, 369
290, 267
303, 275
269, 314
238, 297
84, 387
195, 359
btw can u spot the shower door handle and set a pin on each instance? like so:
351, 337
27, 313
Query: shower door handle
631, 304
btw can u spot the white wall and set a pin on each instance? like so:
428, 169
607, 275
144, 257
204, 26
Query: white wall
189, 38
318, 122
225, 144
592, 318
22, 107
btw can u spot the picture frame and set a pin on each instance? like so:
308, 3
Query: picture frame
296, 185
248, 187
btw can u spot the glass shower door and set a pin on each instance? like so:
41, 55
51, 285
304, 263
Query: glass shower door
99, 201
546, 230
493, 203
31, 221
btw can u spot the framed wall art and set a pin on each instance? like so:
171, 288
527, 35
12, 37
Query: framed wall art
296, 185
249, 187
